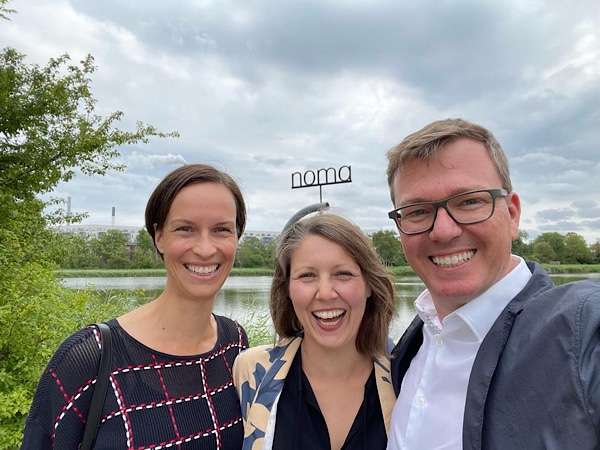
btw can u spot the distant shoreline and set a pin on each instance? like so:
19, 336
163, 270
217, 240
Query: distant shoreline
266, 271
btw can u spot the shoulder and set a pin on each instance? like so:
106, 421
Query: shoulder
71, 369
231, 331
79, 352
256, 361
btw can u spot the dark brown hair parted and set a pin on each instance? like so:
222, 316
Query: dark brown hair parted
379, 310
160, 200
424, 143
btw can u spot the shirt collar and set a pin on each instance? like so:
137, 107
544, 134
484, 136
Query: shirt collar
480, 313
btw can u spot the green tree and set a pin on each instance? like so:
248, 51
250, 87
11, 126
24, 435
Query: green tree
576, 250
595, 250
145, 255
111, 249
543, 252
74, 252
556, 241
521, 247
252, 253
388, 247
48, 129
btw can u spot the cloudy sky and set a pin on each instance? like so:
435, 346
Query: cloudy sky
261, 89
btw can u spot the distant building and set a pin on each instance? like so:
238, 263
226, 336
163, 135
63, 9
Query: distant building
95, 231
263, 236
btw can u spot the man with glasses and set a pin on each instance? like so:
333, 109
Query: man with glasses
497, 357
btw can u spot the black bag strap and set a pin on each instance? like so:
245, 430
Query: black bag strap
102, 379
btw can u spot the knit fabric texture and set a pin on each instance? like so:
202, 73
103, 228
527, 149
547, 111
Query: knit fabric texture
154, 400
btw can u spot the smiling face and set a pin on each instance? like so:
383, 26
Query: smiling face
198, 241
457, 262
328, 293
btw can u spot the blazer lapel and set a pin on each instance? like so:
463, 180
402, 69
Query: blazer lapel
489, 355
404, 351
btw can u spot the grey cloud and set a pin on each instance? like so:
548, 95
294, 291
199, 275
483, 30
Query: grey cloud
589, 209
562, 226
551, 215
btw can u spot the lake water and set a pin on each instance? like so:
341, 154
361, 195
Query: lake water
244, 297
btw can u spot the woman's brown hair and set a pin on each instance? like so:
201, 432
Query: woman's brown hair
373, 331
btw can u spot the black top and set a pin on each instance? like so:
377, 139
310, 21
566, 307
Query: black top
300, 424
153, 399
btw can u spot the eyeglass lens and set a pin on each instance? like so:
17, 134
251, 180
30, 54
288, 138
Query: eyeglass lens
466, 208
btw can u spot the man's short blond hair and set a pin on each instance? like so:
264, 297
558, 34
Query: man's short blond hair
424, 144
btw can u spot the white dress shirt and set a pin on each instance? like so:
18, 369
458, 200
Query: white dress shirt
428, 414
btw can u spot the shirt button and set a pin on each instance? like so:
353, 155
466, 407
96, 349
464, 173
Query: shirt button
439, 340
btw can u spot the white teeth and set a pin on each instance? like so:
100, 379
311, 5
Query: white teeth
453, 260
330, 314
201, 269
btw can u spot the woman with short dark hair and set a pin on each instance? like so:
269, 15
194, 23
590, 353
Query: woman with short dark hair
170, 383
326, 384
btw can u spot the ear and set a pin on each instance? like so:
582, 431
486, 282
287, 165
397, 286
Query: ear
514, 210
158, 235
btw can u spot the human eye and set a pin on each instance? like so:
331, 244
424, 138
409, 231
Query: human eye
470, 201
305, 276
344, 274
415, 212
224, 229
183, 229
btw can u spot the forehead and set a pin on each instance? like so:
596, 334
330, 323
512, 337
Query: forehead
318, 249
459, 166
211, 199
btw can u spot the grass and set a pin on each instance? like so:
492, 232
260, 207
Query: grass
572, 268
397, 271
96, 273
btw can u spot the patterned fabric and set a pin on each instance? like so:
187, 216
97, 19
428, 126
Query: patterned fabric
259, 374
154, 400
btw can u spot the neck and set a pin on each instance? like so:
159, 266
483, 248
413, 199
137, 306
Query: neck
173, 325
340, 364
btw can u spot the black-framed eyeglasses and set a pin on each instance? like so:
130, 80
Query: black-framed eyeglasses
465, 209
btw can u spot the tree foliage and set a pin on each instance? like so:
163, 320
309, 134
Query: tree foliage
521, 247
48, 127
388, 247
576, 250
48, 130
252, 252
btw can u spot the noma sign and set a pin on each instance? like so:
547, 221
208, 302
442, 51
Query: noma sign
322, 177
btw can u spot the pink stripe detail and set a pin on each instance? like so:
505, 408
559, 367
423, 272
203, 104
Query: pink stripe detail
121, 403
170, 364
211, 406
190, 437
172, 401
167, 398
66, 396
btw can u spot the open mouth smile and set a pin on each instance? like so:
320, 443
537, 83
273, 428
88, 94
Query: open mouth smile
329, 319
453, 260
202, 269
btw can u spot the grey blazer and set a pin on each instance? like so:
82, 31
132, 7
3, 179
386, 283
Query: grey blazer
535, 382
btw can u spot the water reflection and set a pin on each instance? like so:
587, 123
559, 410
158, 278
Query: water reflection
246, 298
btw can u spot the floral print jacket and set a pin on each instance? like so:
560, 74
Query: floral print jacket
259, 374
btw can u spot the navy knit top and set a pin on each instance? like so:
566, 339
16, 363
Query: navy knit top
154, 400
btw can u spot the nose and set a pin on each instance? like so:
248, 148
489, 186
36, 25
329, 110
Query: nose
204, 246
444, 228
326, 289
